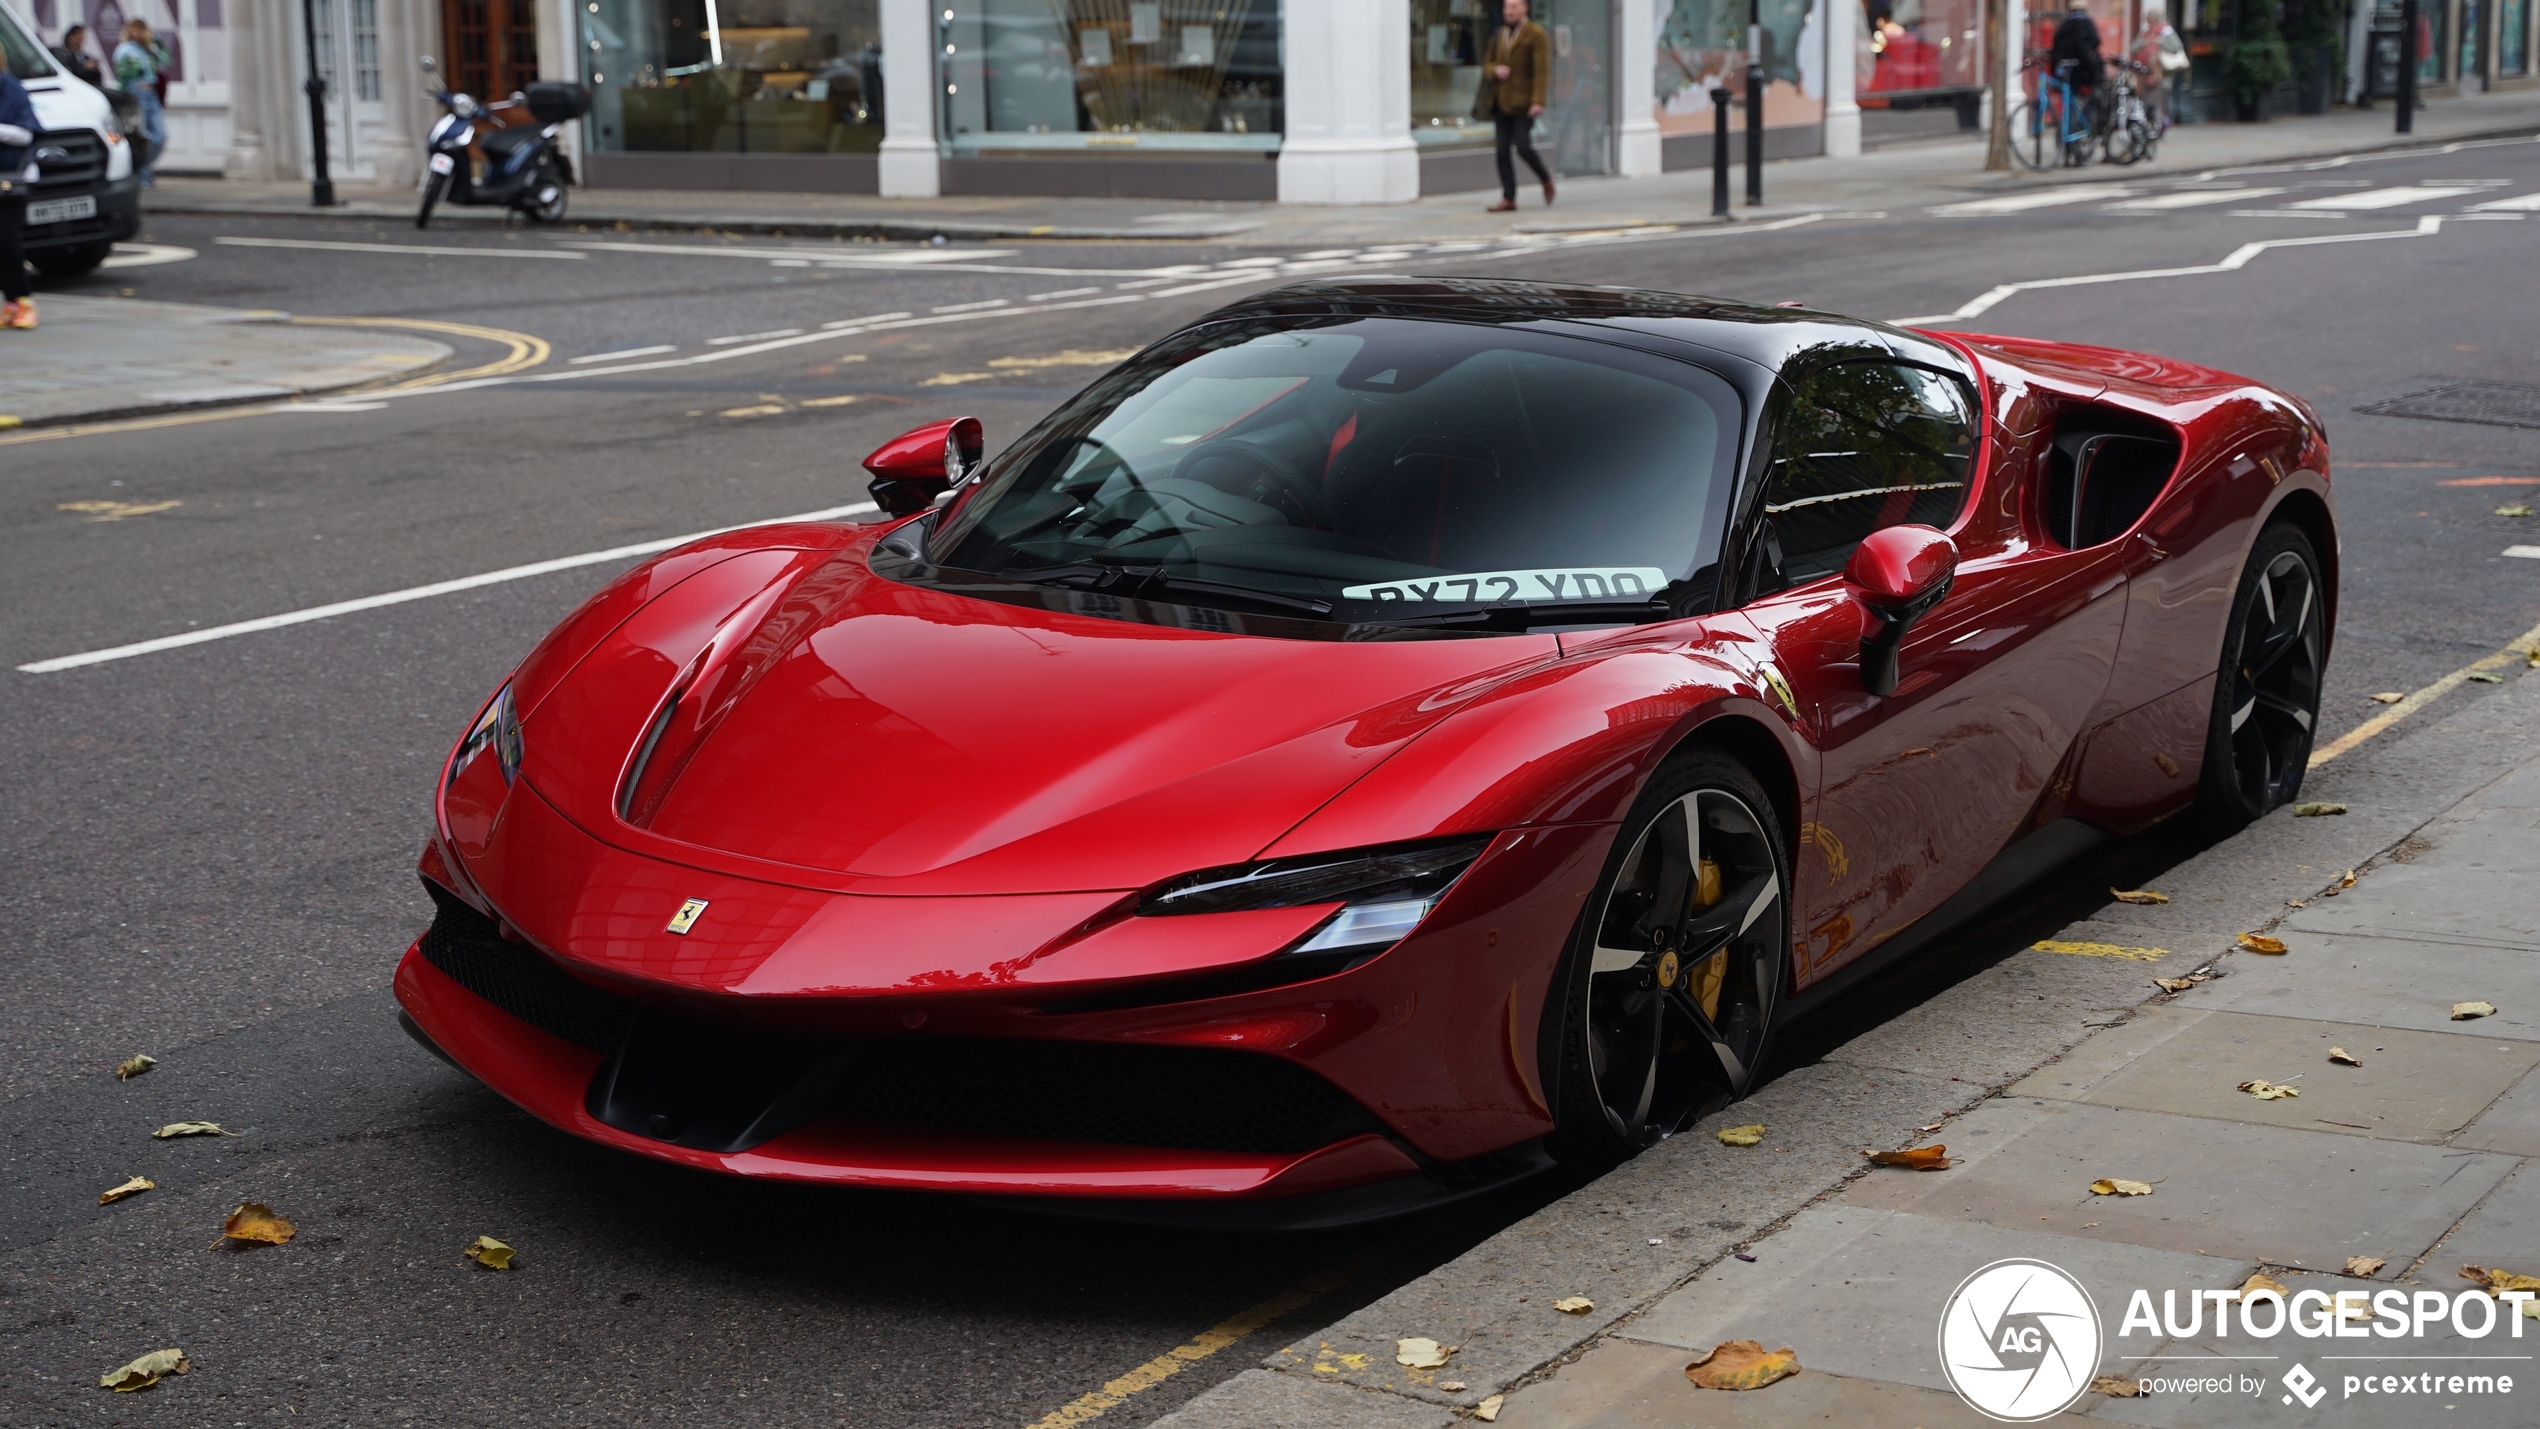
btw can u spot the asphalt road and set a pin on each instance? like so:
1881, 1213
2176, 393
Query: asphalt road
208, 850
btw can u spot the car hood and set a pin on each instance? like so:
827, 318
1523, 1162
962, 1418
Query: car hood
887, 738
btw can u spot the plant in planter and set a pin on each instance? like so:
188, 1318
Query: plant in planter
2313, 41
2258, 62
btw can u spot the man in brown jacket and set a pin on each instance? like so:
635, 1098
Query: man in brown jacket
1516, 73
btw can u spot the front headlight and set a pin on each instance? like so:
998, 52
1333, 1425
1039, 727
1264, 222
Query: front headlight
1383, 893
497, 729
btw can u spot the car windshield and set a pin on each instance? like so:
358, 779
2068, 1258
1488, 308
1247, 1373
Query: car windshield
1371, 471
27, 59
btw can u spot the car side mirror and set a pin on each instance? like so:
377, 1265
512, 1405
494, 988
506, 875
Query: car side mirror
913, 468
1897, 574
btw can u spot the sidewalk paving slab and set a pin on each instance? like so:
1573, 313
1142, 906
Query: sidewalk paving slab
2413, 1086
1628, 1384
2386, 982
2258, 1193
1258, 1397
98, 358
2511, 1126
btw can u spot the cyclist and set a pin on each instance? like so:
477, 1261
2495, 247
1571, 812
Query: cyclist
2075, 54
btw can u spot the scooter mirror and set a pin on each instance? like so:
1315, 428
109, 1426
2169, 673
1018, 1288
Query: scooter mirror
427, 64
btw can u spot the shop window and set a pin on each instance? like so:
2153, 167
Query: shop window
1702, 47
733, 76
2513, 47
1862, 446
1912, 47
1125, 74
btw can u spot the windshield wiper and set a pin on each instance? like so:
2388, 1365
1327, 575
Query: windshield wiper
1520, 615
1135, 582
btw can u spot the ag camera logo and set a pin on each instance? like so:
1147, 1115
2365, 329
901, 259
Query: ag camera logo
2019, 1340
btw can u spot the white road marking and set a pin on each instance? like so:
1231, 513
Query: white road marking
1061, 293
868, 322
2528, 553
841, 253
145, 255
322, 406
752, 336
978, 307
2194, 198
623, 353
2281, 213
2237, 259
2526, 203
421, 592
788, 262
330, 246
2387, 198
2022, 203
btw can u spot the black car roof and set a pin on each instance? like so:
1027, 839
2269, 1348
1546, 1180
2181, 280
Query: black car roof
1766, 336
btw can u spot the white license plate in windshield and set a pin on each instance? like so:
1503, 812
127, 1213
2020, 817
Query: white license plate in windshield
60, 210
1532, 587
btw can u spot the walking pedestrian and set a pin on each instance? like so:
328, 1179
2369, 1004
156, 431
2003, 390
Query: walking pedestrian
140, 61
2165, 50
17, 144
74, 55
1517, 74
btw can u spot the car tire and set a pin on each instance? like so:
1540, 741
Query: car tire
1668, 992
2267, 691
77, 261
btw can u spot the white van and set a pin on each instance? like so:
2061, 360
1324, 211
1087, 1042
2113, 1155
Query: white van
85, 198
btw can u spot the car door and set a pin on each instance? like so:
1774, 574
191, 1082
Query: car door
1919, 789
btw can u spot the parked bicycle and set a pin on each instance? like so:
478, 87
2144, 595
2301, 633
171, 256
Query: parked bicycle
2133, 136
2054, 125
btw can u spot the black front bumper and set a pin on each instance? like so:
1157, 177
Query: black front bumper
118, 217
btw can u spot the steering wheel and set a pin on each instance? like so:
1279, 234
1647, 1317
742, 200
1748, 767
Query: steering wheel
1266, 472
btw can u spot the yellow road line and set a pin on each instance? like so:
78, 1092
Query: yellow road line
525, 352
2518, 650
1089, 1407
2103, 950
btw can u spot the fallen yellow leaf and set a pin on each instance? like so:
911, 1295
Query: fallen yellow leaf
262, 1224
1488, 1409
2261, 943
1574, 1304
1451, 1386
2466, 1011
2513, 510
490, 1253
145, 1371
2495, 1280
2137, 895
2108, 1186
2115, 1388
2267, 1091
2348, 881
191, 1128
2100, 950
1742, 1364
1921, 1158
1741, 1135
2264, 1281
2364, 1266
2342, 1056
2317, 810
2388, 697
134, 1065
133, 1187
1420, 1352
2487, 677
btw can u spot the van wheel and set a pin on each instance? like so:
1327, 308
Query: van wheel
74, 262
1676, 970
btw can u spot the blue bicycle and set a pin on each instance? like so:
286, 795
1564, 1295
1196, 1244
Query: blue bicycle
2055, 125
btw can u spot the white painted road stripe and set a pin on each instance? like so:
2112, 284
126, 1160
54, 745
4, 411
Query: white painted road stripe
2528, 553
750, 337
624, 353
2237, 259
2386, 198
328, 246
2527, 203
421, 592
2190, 199
2022, 203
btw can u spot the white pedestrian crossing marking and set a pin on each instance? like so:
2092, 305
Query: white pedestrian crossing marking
2389, 197
2192, 198
2022, 203
2526, 203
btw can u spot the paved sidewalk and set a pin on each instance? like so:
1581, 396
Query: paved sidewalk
97, 358
1904, 176
2043, 1074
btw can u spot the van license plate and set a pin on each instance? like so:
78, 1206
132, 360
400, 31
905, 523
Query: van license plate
60, 210
443, 163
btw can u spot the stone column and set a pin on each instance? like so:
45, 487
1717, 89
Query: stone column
1348, 83
911, 164
560, 57
1637, 149
408, 29
248, 159
1842, 29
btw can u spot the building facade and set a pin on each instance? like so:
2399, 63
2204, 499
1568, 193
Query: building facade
1301, 101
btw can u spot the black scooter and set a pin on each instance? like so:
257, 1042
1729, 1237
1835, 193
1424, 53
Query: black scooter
524, 171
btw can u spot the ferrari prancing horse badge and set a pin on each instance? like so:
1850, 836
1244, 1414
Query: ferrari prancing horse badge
686, 917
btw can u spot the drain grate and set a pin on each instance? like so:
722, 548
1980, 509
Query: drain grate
2493, 404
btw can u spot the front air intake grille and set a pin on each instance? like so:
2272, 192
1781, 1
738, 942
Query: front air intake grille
676, 1079
1186, 1098
471, 951
72, 159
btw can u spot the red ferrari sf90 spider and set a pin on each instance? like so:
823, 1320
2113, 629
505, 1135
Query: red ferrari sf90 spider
1385, 737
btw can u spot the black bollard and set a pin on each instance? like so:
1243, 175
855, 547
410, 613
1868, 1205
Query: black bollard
1754, 136
2408, 66
1720, 100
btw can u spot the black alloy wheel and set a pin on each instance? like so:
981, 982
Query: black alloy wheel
1679, 962
2267, 696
